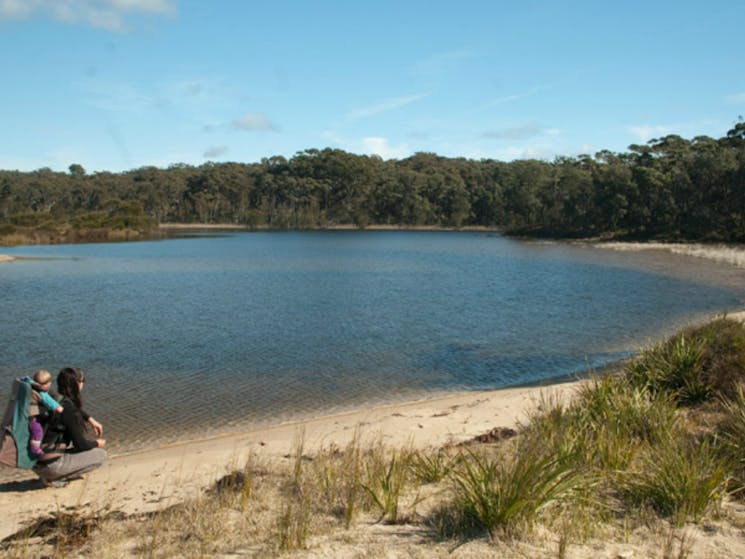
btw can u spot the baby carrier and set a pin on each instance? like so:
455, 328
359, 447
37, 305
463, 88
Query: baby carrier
14, 439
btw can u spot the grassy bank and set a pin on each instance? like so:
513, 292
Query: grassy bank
648, 461
119, 222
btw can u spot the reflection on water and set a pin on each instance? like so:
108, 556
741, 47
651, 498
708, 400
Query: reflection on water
192, 336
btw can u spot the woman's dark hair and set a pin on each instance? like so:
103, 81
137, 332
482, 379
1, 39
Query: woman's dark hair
67, 384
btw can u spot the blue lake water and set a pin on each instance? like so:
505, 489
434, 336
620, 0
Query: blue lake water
204, 334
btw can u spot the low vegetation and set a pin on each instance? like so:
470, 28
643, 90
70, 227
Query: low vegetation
120, 221
657, 447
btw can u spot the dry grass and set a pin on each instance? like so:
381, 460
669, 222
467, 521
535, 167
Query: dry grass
625, 465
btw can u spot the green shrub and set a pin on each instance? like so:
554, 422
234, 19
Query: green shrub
30, 219
90, 220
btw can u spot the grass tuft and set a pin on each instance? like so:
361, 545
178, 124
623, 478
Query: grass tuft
505, 495
681, 479
431, 466
674, 367
385, 481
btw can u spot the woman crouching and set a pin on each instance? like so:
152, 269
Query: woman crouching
66, 431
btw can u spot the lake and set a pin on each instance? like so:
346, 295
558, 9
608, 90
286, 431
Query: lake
209, 333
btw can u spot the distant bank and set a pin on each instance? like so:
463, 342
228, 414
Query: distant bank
345, 227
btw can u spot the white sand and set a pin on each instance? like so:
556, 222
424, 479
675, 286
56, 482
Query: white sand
725, 254
152, 479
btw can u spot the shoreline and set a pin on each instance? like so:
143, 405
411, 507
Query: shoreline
344, 227
153, 478
733, 255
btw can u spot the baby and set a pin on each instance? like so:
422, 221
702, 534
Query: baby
41, 383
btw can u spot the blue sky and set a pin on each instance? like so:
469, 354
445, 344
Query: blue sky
119, 84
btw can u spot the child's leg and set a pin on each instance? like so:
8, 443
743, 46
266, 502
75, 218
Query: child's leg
37, 434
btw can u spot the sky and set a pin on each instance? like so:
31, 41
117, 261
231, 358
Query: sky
114, 85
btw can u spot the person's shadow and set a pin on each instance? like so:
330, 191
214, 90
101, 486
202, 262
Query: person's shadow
21, 486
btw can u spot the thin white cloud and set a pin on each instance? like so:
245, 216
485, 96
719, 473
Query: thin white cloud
215, 151
443, 62
646, 132
509, 98
736, 98
154, 6
523, 132
385, 106
253, 121
380, 146
101, 14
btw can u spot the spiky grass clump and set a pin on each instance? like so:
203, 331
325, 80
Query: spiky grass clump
431, 466
723, 358
732, 438
615, 419
674, 367
505, 494
696, 364
338, 477
293, 522
386, 479
605, 426
681, 479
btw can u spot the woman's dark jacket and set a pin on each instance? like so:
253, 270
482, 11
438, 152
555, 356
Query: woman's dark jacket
68, 427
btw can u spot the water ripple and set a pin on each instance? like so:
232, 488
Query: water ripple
201, 335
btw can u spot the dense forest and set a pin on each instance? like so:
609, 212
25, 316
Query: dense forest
670, 188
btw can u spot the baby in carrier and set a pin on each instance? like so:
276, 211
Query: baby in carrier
41, 383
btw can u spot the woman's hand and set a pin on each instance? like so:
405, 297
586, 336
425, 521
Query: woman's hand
100, 443
97, 427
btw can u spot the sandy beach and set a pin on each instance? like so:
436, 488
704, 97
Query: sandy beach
154, 478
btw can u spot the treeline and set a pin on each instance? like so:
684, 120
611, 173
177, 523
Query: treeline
670, 188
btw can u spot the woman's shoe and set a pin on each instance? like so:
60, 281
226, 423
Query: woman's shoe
54, 483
